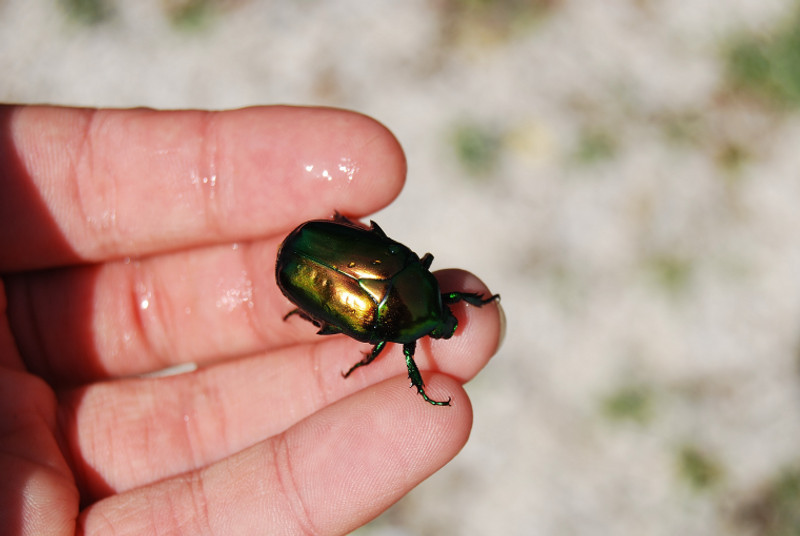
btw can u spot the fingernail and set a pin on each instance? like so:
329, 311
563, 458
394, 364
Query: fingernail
502, 325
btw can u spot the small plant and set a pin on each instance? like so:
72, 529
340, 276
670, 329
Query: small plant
629, 403
191, 14
769, 64
775, 511
595, 145
89, 12
671, 272
477, 148
698, 468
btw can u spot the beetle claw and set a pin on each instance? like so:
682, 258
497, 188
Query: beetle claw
416, 377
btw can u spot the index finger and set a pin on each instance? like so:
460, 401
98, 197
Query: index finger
81, 185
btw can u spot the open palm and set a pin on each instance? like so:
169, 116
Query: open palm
135, 241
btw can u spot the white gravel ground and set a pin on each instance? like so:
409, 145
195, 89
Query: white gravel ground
638, 214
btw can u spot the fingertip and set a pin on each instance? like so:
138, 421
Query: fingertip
401, 405
491, 316
385, 439
456, 417
456, 279
380, 171
182, 178
331, 472
479, 331
339, 160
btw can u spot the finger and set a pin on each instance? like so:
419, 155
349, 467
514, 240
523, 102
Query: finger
77, 325
327, 475
37, 493
167, 426
87, 185
87, 323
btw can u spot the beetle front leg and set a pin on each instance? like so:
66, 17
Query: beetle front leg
472, 298
368, 358
416, 377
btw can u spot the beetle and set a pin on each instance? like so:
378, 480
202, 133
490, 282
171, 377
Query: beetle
347, 278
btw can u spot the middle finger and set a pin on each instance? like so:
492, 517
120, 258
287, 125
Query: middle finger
130, 317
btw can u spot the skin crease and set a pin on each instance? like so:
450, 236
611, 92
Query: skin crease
136, 240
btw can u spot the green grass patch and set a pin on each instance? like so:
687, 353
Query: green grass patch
477, 148
698, 468
775, 511
595, 145
192, 15
88, 12
672, 273
632, 403
768, 64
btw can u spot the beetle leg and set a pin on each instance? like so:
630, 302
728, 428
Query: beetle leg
290, 313
301, 314
416, 377
324, 327
472, 298
375, 228
426, 260
368, 358
304, 316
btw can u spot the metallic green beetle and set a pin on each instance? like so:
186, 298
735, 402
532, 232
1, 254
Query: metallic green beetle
347, 278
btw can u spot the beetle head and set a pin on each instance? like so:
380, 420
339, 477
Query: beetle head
447, 327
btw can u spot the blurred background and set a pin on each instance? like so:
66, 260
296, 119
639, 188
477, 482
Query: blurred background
625, 173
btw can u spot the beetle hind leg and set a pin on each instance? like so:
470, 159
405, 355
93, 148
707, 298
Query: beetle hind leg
368, 358
416, 377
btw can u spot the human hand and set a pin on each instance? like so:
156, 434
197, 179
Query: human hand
137, 240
